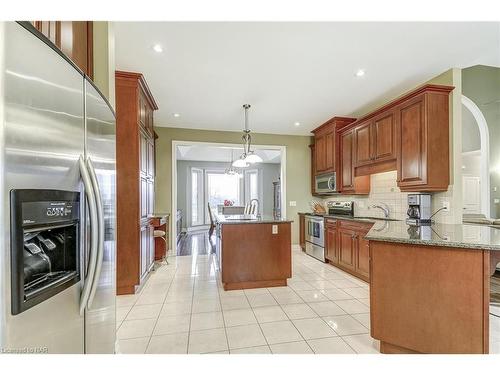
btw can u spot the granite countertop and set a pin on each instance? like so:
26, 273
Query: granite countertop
362, 219
249, 219
450, 235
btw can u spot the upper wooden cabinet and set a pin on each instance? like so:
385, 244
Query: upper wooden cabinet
347, 181
326, 153
375, 141
423, 140
73, 38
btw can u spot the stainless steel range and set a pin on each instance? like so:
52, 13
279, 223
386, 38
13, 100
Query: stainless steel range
315, 228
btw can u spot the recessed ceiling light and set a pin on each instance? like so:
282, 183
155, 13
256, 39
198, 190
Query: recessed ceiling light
158, 48
360, 73
297, 123
177, 115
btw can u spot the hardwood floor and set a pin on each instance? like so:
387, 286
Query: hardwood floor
196, 243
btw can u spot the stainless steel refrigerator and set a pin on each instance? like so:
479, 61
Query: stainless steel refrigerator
57, 183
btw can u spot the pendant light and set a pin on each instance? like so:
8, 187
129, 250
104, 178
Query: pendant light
248, 156
231, 170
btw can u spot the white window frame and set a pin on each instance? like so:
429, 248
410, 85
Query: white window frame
219, 171
246, 179
201, 208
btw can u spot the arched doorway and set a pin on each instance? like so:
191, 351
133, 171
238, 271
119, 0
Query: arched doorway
478, 155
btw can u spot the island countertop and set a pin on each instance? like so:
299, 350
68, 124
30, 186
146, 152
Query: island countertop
447, 235
250, 219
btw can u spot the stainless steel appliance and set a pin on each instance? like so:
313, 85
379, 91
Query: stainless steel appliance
57, 180
341, 208
315, 236
326, 184
419, 209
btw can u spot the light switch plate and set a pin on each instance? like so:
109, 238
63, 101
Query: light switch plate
275, 229
446, 206
293, 203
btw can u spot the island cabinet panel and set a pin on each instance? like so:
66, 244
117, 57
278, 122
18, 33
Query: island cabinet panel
429, 299
252, 256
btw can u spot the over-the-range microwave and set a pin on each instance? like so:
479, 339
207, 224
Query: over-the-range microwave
326, 184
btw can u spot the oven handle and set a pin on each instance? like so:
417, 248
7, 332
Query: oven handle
100, 231
89, 192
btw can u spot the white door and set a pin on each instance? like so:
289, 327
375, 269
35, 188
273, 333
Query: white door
471, 195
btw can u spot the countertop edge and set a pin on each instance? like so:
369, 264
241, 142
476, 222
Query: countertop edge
460, 245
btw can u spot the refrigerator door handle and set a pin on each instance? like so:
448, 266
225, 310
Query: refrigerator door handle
89, 192
100, 231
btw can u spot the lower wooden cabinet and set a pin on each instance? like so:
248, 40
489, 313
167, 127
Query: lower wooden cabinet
147, 249
346, 248
363, 255
331, 252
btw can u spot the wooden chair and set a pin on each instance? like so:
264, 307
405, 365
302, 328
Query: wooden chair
251, 208
212, 223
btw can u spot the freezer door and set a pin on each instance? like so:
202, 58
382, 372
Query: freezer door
100, 314
41, 139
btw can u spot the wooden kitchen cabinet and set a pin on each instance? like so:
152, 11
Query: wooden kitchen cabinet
331, 248
423, 140
347, 181
346, 248
374, 142
73, 38
325, 142
363, 254
347, 256
135, 181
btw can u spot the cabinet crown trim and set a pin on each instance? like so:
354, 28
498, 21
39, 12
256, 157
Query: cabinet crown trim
338, 121
428, 88
138, 77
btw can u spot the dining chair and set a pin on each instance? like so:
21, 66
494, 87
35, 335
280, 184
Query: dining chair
212, 223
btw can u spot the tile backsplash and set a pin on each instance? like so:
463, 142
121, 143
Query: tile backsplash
384, 189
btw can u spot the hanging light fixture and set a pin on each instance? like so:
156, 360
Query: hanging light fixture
231, 170
248, 156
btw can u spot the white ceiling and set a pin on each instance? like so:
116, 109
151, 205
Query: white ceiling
223, 153
291, 72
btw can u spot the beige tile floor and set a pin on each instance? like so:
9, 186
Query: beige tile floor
184, 309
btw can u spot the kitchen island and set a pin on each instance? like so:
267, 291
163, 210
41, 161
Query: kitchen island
253, 251
430, 287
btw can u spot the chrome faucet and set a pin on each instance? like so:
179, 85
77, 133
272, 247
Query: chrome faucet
384, 207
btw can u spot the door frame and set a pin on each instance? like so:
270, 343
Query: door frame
485, 153
175, 143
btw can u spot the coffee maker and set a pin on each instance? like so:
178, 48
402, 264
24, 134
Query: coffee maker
419, 209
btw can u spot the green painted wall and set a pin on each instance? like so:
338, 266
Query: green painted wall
481, 84
298, 165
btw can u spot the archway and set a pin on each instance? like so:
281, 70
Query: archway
484, 153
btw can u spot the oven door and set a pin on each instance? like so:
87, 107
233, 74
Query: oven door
315, 230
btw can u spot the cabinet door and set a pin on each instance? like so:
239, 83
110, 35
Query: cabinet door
331, 244
151, 159
411, 125
150, 197
363, 149
346, 249
143, 156
363, 255
330, 151
320, 147
144, 197
144, 250
346, 172
384, 145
